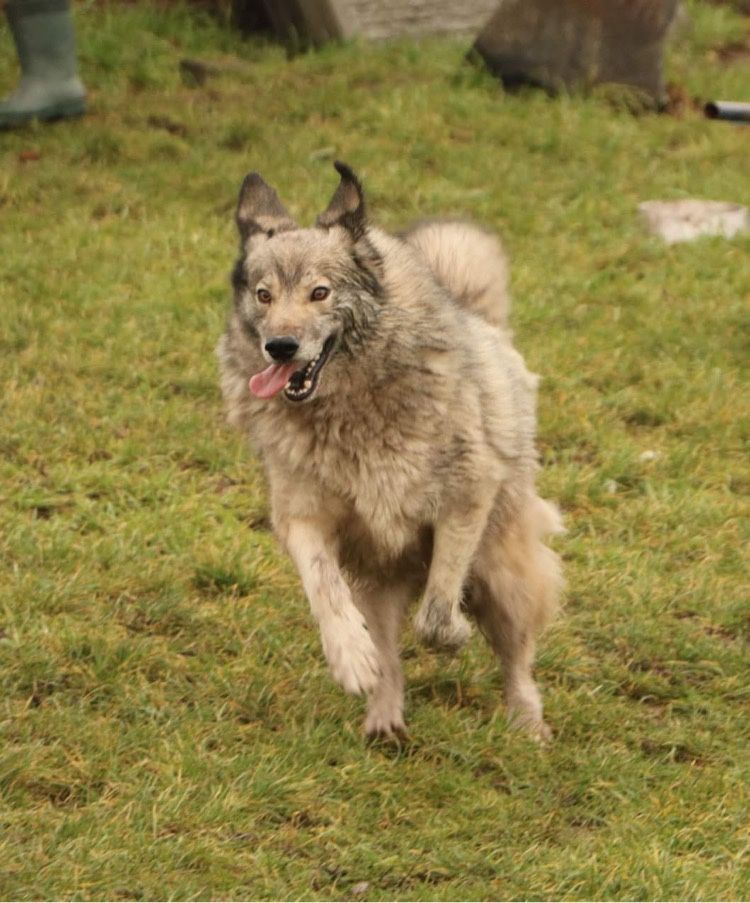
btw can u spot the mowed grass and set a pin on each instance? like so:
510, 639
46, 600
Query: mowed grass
169, 729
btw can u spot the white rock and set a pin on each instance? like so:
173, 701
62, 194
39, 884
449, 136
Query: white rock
686, 220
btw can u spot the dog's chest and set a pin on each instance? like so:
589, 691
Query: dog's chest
381, 468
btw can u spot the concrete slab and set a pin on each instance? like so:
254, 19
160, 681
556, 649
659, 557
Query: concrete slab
688, 219
318, 21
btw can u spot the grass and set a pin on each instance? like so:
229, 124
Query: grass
169, 729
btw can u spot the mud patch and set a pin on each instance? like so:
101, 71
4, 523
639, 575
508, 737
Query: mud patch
732, 51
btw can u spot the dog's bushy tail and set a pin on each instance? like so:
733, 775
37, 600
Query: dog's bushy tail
470, 262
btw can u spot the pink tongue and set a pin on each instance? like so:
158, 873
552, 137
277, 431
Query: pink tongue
272, 380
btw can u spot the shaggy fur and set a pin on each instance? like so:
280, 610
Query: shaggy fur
405, 464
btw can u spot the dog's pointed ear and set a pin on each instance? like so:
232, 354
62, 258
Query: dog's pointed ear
347, 207
260, 210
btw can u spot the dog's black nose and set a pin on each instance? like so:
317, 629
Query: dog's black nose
282, 347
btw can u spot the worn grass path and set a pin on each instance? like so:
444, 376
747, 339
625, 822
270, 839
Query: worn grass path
168, 726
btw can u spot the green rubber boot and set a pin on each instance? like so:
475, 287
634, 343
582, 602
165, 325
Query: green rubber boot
45, 41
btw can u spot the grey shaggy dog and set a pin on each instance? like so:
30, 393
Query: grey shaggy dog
376, 378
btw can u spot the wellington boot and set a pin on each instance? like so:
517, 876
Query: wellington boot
45, 41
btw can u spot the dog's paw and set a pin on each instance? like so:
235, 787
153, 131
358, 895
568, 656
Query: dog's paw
535, 728
351, 654
441, 626
525, 713
384, 721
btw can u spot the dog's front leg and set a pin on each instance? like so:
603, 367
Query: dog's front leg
347, 644
440, 622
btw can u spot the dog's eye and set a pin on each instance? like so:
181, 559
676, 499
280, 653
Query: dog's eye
320, 293
263, 295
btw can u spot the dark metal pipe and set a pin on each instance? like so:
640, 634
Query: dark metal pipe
731, 110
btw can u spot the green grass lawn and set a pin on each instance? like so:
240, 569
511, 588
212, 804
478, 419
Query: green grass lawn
169, 729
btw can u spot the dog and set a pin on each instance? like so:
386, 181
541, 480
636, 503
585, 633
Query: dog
376, 377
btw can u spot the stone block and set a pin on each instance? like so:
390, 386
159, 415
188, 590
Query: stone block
569, 44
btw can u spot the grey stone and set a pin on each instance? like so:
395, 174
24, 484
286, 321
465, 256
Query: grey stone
390, 18
321, 20
568, 44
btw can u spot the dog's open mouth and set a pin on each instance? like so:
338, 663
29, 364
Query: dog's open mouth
298, 383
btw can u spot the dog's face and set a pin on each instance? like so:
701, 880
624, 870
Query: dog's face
302, 294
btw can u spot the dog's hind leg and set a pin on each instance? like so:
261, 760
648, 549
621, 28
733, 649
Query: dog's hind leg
439, 621
513, 592
383, 607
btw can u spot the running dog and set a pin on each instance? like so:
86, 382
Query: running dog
375, 376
